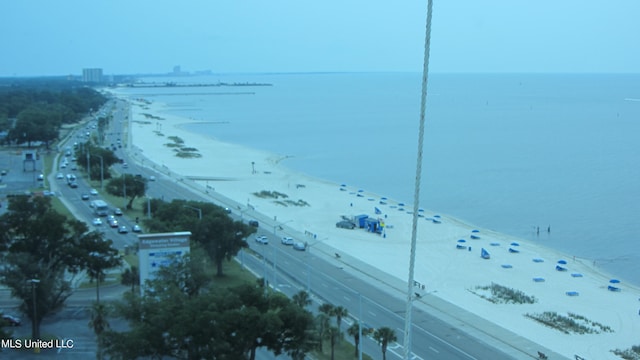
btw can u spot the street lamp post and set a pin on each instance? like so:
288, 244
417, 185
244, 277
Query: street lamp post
196, 209
34, 331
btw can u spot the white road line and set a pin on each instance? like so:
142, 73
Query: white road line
372, 313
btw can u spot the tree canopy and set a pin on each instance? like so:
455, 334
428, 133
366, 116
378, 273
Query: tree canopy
180, 315
40, 248
219, 235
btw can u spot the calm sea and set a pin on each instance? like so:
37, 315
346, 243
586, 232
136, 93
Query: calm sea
511, 153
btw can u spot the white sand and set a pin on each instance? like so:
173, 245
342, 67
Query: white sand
448, 273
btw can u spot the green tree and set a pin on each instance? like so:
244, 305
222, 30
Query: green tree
98, 256
172, 319
354, 331
384, 336
131, 276
127, 186
333, 334
95, 153
339, 312
302, 299
99, 324
219, 235
40, 244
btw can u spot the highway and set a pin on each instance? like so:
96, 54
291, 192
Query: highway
329, 279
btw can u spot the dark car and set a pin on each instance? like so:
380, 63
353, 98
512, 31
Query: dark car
345, 224
85, 196
11, 320
117, 212
254, 223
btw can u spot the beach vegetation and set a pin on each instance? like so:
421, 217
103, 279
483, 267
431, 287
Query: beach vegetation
265, 194
570, 323
220, 236
40, 248
628, 354
151, 116
176, 140
127, 186
499, 294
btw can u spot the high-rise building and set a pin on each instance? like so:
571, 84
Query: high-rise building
92, 75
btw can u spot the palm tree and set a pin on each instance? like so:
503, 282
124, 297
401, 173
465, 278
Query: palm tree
339, 312
333, 334
384, 336
354, 330
322, 326
326, 309
302, 299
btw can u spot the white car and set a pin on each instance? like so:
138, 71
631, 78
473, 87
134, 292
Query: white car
287, 241
300, 246
152, 178
97, 221
262, 240
93, 192
59, 176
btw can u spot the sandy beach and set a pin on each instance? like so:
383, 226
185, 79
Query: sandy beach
313, 207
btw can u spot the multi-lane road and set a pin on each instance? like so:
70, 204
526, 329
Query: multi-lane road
443, 333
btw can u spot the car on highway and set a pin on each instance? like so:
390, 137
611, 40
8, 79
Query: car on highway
152, 178
287, 240
97, 221
136, 228
113, 223
11, 320
41, 177
85, 196
93, 192
59, 176
73, 184
123, 229
117, 212
262, 240
300, 246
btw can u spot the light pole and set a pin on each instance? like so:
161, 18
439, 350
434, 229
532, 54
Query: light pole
34, 332
196, 209
101, 172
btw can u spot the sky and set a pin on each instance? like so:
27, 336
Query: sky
44, 37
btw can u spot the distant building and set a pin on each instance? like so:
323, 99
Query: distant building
92, 75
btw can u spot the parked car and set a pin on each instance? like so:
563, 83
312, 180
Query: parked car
300, 246
123, 229
287, 241
152, 178
41, 177
11, 320
262, 240
345, 225
253, 223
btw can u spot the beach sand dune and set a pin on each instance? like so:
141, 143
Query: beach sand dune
312, 207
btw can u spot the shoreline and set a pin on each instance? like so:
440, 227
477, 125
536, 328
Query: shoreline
449, 273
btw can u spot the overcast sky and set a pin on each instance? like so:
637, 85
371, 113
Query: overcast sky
45, 37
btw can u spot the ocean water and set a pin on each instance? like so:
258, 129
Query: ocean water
511, 153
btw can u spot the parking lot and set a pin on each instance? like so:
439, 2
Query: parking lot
17, 175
